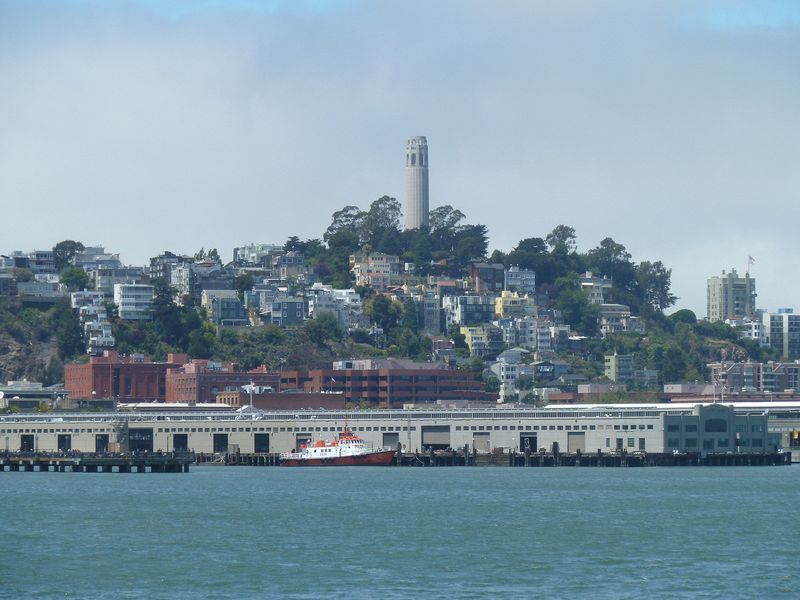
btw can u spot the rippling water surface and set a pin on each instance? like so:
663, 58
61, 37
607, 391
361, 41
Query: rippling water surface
225, 532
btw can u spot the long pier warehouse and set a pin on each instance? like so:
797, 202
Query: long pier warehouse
714, 428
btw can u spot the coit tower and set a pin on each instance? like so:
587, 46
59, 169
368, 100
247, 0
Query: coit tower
416, 182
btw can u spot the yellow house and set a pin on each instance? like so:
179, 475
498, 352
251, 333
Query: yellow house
511, 304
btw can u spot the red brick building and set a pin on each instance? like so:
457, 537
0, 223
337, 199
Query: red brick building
134, 378
286, 401
202, 380
388, 383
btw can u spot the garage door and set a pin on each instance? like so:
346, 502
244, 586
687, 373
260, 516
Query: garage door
576, 440
481, 442
436, 436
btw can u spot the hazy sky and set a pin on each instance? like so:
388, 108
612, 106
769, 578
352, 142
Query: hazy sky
672, 127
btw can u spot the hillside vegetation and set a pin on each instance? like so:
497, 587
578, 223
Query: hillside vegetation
35, 342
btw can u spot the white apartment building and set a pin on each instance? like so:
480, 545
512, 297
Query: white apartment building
134, 301
597, 287
519, 280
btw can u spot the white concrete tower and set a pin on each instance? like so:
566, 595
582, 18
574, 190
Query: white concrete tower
416, 182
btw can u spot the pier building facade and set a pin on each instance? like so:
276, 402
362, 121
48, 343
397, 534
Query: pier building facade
704, 429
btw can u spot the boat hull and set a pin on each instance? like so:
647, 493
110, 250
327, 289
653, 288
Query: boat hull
375, 459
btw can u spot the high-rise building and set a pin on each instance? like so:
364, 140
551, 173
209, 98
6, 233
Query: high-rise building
730, 296
417, 205
781, 331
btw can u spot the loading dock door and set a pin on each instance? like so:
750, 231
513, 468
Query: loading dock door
436, 436
527, 441
481, 441
220, 443
390, 440
101, 442
180, 442
140, 439
261, 442
64, 442
576, 440
26, 442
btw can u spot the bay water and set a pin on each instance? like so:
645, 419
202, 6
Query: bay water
461, 532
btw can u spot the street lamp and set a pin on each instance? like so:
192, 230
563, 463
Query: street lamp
250, 387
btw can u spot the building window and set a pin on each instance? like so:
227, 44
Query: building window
631, 442
691, 443
708, 443
673, 428
691, 428
641, 443
673, 442
716, 426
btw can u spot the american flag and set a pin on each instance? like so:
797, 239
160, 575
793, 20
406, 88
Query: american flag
751, 260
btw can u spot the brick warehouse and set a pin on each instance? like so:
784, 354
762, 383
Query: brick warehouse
127, 378
388, 383
201, 380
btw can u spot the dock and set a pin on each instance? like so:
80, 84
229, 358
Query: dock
85, 462
511, 458
179, 462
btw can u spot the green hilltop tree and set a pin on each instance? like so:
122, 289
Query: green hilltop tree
75, 279
63, 252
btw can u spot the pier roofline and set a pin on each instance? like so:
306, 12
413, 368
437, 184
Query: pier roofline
504, 412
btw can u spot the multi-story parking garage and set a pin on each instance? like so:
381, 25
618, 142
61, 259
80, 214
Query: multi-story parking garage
712, 428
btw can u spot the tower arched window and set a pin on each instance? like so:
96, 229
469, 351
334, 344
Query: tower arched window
413, 160
421, 159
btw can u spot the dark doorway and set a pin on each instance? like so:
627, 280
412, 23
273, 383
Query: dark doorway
26, 443
220, 443
180, 442
140, 439
527, 441
64, 442
101, 442
261, 442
